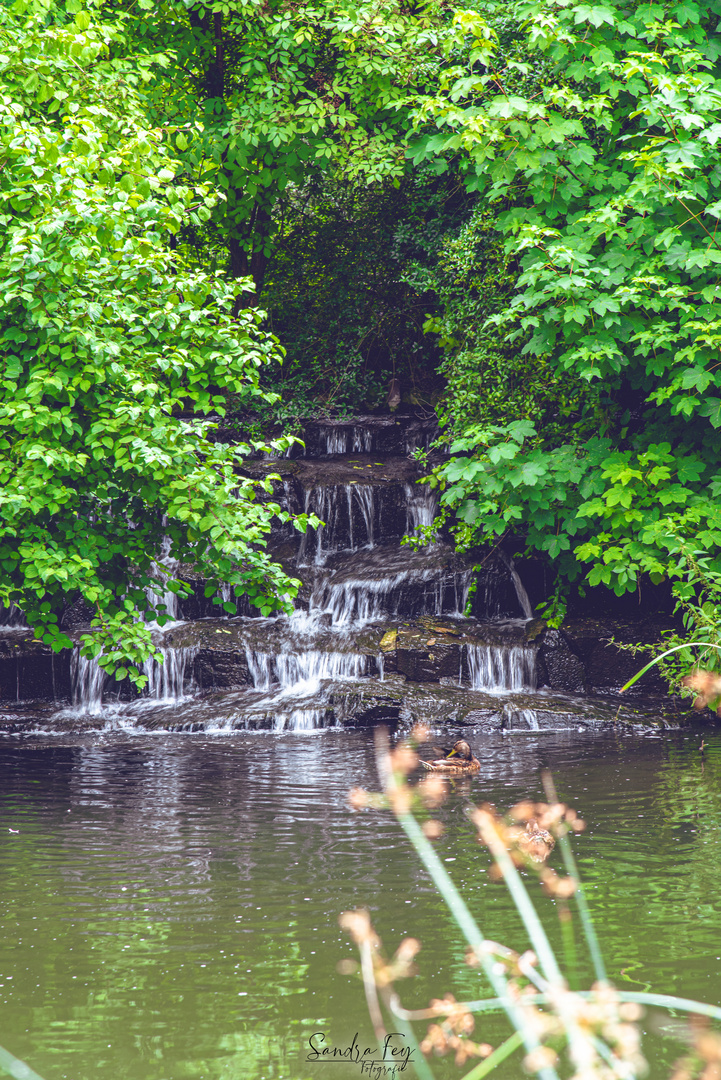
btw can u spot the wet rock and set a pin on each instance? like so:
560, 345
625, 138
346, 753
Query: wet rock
607, 666
399, 434
78, 616
30, 671
564, 670
221, 669
424, 657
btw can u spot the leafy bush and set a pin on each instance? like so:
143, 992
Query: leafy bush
114, 354
592, 133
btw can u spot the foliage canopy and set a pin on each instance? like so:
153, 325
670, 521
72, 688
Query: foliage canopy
593, 130
115, 355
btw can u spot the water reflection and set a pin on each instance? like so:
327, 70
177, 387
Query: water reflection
169, 904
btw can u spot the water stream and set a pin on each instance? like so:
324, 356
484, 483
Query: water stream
380, 630
356, 575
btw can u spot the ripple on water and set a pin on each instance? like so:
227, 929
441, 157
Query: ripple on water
169, 903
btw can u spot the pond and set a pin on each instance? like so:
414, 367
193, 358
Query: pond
169, 903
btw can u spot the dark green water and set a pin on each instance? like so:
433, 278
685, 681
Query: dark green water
169, 904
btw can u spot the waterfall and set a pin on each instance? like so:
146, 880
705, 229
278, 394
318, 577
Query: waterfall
287, 676
299, 720
165, 603
260, 666
362, 440
368, 599
364, 494
529, 717
500, 667
336, 440
322, 664
336, 533
11, 616
421, 506
518, 585
166, 680
87, 680
417, 440
513, 719
301, 673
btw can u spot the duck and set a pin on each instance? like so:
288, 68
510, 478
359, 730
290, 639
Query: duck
457, 761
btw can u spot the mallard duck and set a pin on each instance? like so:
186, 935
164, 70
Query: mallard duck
458, 760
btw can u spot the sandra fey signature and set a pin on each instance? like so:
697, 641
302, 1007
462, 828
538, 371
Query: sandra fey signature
384, 1061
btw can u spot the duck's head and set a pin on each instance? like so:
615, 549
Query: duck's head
462, 750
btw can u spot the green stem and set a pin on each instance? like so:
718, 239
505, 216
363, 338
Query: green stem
579, 896
499, 1054
569, 862
520, 897
569, 944
639, 997
15, 1067
663, 655
421, 1066
470, 931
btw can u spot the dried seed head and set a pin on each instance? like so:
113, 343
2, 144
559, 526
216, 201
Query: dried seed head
522, 811
433, 790
400, 800
347, 967
420, 733
540, 1058
358, 798
553, 885
708, 1046
707, 685
407, 950
403, 759
433, 829
358, 925
436, 1040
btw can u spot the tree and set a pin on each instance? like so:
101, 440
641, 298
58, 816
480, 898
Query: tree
593, 130
115, 356
274, 94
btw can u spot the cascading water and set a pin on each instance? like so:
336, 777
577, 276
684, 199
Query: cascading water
171, 679
303, 671
341, 531
167, 681
501, 667
87, 682
523, 598
421, 507
336, 440
11, 616
362, 440
417, 440
370, 599
365, 498
164, 602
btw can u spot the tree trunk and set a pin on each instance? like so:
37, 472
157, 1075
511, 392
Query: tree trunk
250, 264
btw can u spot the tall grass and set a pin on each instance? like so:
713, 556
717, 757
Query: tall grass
590, 1034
